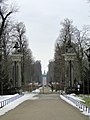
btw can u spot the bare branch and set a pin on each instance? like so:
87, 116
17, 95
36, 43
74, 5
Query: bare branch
8, 14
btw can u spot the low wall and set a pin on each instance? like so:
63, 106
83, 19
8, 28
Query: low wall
7, 101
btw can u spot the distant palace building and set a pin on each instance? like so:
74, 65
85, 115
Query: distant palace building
44, 79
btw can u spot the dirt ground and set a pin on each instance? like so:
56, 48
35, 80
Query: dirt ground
47, 107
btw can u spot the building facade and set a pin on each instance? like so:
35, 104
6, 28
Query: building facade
37, 72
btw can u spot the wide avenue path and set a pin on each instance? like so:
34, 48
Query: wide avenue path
47, 107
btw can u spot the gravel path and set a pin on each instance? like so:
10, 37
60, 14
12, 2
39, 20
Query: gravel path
47, 107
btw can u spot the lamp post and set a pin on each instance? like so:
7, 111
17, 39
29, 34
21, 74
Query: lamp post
87, 52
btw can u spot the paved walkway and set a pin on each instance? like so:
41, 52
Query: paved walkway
47, 107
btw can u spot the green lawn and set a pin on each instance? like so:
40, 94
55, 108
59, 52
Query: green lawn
87, 101
86, 98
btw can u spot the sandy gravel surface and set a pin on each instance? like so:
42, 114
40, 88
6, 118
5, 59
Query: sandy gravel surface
47, 107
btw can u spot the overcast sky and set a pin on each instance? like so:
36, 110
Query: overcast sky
42, 19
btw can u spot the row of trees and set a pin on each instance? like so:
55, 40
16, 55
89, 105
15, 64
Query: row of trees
79, 39
10, 33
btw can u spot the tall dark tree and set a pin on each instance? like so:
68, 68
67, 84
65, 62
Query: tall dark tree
65, 37
78, 40
59, 65
5, 12
18, 35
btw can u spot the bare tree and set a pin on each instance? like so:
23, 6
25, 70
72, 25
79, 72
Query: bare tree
18, 34
81, 40
28, 66
67, 30
5, 12
6, 49
78, 40
65, 37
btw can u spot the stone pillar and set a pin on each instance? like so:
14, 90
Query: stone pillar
16, 58
13, 73
19, 74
